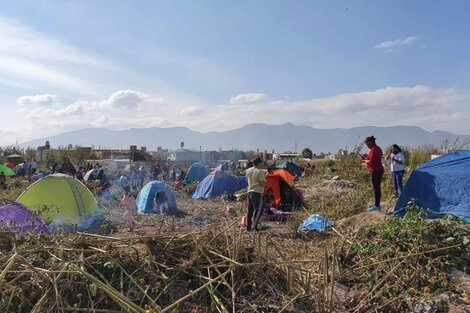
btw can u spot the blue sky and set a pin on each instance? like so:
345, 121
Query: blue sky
117, 64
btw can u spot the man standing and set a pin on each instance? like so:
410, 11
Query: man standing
256, 180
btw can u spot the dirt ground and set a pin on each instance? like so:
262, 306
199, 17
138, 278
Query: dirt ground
196, 215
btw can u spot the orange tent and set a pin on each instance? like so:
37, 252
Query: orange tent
273, 180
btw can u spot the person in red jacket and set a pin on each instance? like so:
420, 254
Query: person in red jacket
373, 161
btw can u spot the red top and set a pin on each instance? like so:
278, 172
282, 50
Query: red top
375, 159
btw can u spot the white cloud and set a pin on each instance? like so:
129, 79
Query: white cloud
36, 101
383, 107
389, 45
192, 111
248, 98
125, 99
430, 108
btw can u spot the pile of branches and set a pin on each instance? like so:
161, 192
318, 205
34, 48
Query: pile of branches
221, 269
405, 260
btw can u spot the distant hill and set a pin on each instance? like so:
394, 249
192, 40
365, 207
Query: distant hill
284, 137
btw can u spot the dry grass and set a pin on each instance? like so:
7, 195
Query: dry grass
172, 265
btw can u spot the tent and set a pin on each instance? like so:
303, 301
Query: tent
441, 185
145, 199
219, 183
222, 167
62, 200
6, 170
91, 175
10, 165
196, 172
295, 170
19, 219
274, 180
280, 180
15, 158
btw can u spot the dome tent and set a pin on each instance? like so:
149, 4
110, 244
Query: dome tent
6, 170
19, 219
278, 181
441, 186
196, 172
218, 183
62, 201
145, 199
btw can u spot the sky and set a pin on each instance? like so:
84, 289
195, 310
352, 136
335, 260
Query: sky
219, 65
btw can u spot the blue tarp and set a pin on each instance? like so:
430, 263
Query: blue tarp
145, 199
219, 183
441, 185
197, 172
315, 222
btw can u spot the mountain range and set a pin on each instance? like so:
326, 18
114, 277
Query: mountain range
286, 137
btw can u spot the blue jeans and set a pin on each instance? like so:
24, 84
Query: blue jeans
397, 178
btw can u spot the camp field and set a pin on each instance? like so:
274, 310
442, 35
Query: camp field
202, 261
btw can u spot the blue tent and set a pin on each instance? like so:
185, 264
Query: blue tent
218, 183
196, 172
295, 170
441, 185
145, 199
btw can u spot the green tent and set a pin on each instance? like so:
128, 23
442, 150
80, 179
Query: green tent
63, 200
6, 170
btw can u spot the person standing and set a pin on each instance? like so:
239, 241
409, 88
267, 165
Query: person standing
128, 203
373, 161
256, 181
397, 167
26, 167
34, 166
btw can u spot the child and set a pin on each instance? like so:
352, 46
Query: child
128, 203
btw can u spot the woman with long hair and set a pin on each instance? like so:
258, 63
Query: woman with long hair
373, 161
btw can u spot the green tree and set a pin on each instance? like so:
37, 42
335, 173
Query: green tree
307, 153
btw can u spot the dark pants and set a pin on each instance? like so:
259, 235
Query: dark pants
255, 209
376, 178
397, 178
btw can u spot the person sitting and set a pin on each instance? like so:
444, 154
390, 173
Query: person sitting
269, 201
160, 203
287, 202
103, 179
309, 169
